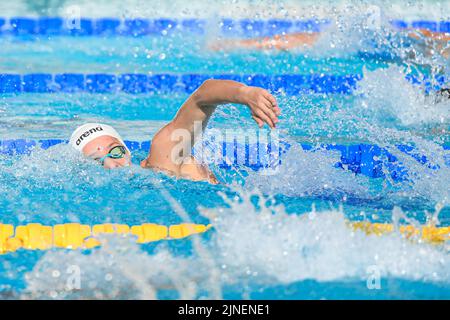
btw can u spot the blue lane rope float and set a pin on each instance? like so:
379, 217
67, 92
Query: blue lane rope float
369, 160
54, 26
291, 84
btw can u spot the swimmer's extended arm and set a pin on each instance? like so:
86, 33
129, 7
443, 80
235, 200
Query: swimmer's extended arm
202, 103
198, 108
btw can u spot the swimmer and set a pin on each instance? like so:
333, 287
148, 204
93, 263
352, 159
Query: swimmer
277, 42
434, 44
102, 143
437, 42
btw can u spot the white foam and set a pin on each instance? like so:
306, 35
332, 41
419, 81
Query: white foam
250, 245
318, 245
240, 8
305, 173
387, 93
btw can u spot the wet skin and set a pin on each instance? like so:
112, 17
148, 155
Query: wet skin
198, 108
100, 147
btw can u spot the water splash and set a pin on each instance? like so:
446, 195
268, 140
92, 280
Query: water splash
119, 270
274, 245
253, 244
305, 173
387, 93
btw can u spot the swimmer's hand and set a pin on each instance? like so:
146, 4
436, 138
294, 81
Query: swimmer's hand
262, 104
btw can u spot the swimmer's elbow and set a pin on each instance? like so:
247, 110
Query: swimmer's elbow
207, 83
200, 96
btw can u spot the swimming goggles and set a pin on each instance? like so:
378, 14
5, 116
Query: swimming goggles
117, 152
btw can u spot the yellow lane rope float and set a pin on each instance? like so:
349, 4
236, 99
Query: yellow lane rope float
35, 236
78, 236
431, 234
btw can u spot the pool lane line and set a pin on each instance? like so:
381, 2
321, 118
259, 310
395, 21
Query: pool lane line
101, 27
291, 84
35, 236
366, 159
109, 26
135, 83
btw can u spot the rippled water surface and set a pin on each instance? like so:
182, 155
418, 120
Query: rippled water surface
278, 235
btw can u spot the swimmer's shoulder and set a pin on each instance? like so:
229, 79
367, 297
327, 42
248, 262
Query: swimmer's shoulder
193, 170
190, 169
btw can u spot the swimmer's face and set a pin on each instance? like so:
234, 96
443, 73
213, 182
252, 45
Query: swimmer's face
99, 147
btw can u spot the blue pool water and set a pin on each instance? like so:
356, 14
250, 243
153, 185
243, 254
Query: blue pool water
278, 234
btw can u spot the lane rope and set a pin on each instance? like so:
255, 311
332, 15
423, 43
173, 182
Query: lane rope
366, 159
104, 83
35, 236
291, 84
109, 26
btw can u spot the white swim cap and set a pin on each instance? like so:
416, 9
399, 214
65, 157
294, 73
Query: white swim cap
89, 131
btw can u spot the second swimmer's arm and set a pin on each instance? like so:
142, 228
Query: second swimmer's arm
198, 108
